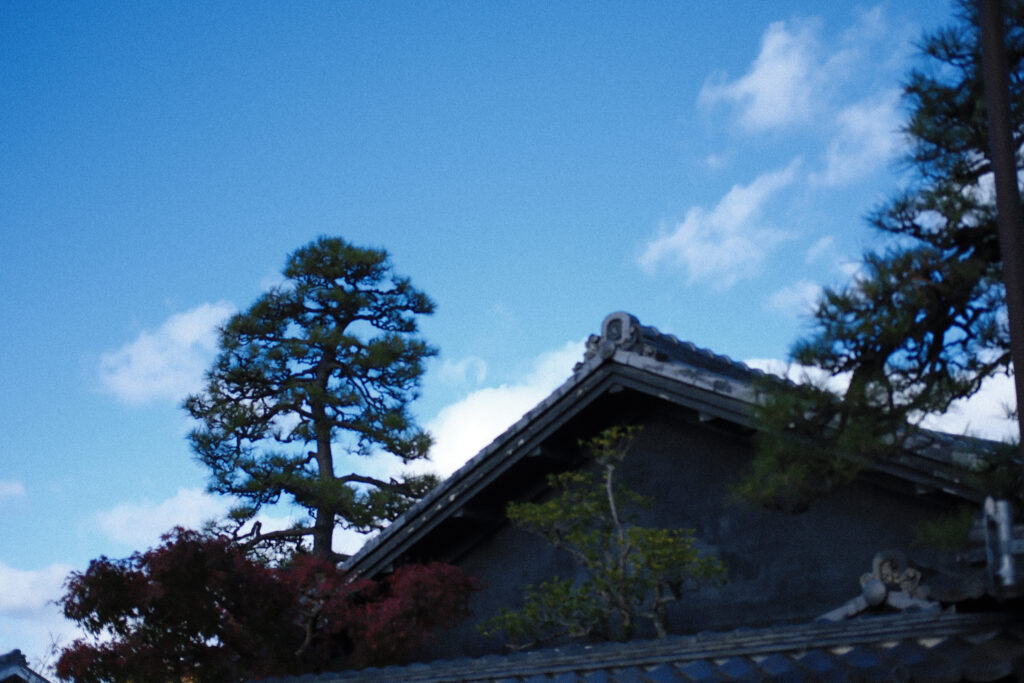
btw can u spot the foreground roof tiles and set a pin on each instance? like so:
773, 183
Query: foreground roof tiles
922, 647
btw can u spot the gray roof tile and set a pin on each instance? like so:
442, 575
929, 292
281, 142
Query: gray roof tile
699, 670
738, 668
939, 648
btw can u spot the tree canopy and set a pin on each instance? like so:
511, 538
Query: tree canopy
924, 322
319, 369
197, 608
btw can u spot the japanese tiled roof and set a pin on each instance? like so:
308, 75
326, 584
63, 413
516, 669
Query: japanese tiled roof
14, 669
906, 647
629, 355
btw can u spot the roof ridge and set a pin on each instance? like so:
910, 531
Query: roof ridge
623, 331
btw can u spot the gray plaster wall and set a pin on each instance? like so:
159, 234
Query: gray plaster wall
781, 567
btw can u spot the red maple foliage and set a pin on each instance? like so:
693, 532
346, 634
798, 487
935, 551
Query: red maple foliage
196, 608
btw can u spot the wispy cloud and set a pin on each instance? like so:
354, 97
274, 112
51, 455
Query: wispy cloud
11, 489
728, 242
167, 363
828, 86
868, 137
824, 248
469, 370
781, 86
795, 300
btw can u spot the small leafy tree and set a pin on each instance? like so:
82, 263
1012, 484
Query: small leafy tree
197, 608
632, 572
318, 369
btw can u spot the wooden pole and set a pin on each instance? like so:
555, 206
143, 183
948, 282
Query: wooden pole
1004, 167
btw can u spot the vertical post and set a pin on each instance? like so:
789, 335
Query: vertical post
1004, 167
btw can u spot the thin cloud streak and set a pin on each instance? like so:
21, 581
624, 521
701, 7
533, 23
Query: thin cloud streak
795, 300
11, 489
727, 243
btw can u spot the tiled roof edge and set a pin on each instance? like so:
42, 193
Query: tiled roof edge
579, 659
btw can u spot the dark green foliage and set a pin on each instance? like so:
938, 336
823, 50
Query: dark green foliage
948, 532
925, 322
806, 445
998, 473
319, 369
632, 572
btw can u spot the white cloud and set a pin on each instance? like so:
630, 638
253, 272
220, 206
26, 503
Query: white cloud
11, 489
471, 369
839, 87
726, 243
985, 191
29, 617
782, 84
26, 593
140, 524
796, 300
348, 542
167, 363
984, 414
463, 428
868, 137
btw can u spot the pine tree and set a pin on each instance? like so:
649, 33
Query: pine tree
924, 323
319, 369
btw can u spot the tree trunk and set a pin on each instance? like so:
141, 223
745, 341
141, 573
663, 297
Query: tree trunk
323, 527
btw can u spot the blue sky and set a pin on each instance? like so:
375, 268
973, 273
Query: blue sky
531, 166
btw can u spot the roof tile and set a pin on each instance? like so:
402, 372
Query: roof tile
699, 670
